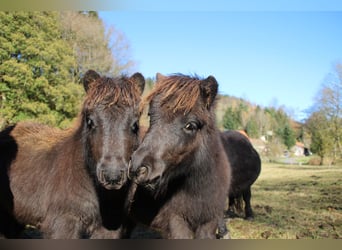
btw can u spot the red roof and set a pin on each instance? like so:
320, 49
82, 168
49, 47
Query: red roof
300, 144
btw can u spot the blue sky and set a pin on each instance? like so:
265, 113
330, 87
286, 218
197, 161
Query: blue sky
267, 57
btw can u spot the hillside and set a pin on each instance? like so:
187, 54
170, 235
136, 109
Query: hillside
264, 125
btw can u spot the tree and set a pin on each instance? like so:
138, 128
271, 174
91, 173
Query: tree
252, 128
330, 103
231, 119
259, 122
35, 70
288, 136
94, 46
236, 116
280, 123
321, 137
327, 111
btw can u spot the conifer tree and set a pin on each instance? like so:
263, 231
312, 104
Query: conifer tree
36, 65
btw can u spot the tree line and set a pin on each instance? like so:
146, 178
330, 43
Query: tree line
273, 125
320, 132
257, 122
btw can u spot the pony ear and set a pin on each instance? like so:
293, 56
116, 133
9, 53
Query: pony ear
139, 81
89, 77
160, 77
209, 88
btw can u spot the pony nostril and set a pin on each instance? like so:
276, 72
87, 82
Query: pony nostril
142, 170
141, 174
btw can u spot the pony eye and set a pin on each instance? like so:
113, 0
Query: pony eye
90, 123
135, 128
191, 126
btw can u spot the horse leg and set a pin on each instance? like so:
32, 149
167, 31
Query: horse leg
70, 227
247, 199
207, 231
103, 233
230, 212
222, 230
179, 228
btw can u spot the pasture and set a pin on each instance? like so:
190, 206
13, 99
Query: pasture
289, 202
294, 202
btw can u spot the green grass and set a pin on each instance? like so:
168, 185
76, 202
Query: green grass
294, 202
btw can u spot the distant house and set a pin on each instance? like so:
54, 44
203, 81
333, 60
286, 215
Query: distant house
299, 149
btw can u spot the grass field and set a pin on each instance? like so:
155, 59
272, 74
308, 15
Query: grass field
294, 202
289, 202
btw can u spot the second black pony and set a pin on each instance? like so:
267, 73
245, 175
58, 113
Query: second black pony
181, 168
246, 166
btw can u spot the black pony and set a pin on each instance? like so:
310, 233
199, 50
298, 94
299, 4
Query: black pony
180, 167
72, 183
246, 166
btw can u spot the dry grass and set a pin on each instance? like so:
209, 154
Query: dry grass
289, 202
294, 202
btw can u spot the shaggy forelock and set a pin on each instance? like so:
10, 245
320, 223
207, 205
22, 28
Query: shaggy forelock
112, 91
176, 93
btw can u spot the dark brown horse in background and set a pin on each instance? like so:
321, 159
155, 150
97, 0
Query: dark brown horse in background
72, 183
180, 167
246, 166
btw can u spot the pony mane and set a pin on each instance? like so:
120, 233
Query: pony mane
177, 93
120, 91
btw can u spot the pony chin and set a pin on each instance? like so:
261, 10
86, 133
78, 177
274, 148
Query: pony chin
151, 185
148, 184
113, 185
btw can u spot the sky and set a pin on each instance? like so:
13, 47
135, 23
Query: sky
269, 58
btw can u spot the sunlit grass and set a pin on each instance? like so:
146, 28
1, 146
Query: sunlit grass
292, 202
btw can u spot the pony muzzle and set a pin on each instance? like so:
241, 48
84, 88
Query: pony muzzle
111, 179
140, 174
142, 171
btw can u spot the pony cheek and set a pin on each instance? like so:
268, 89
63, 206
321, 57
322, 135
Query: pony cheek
95, 151
157, 172
177, 155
